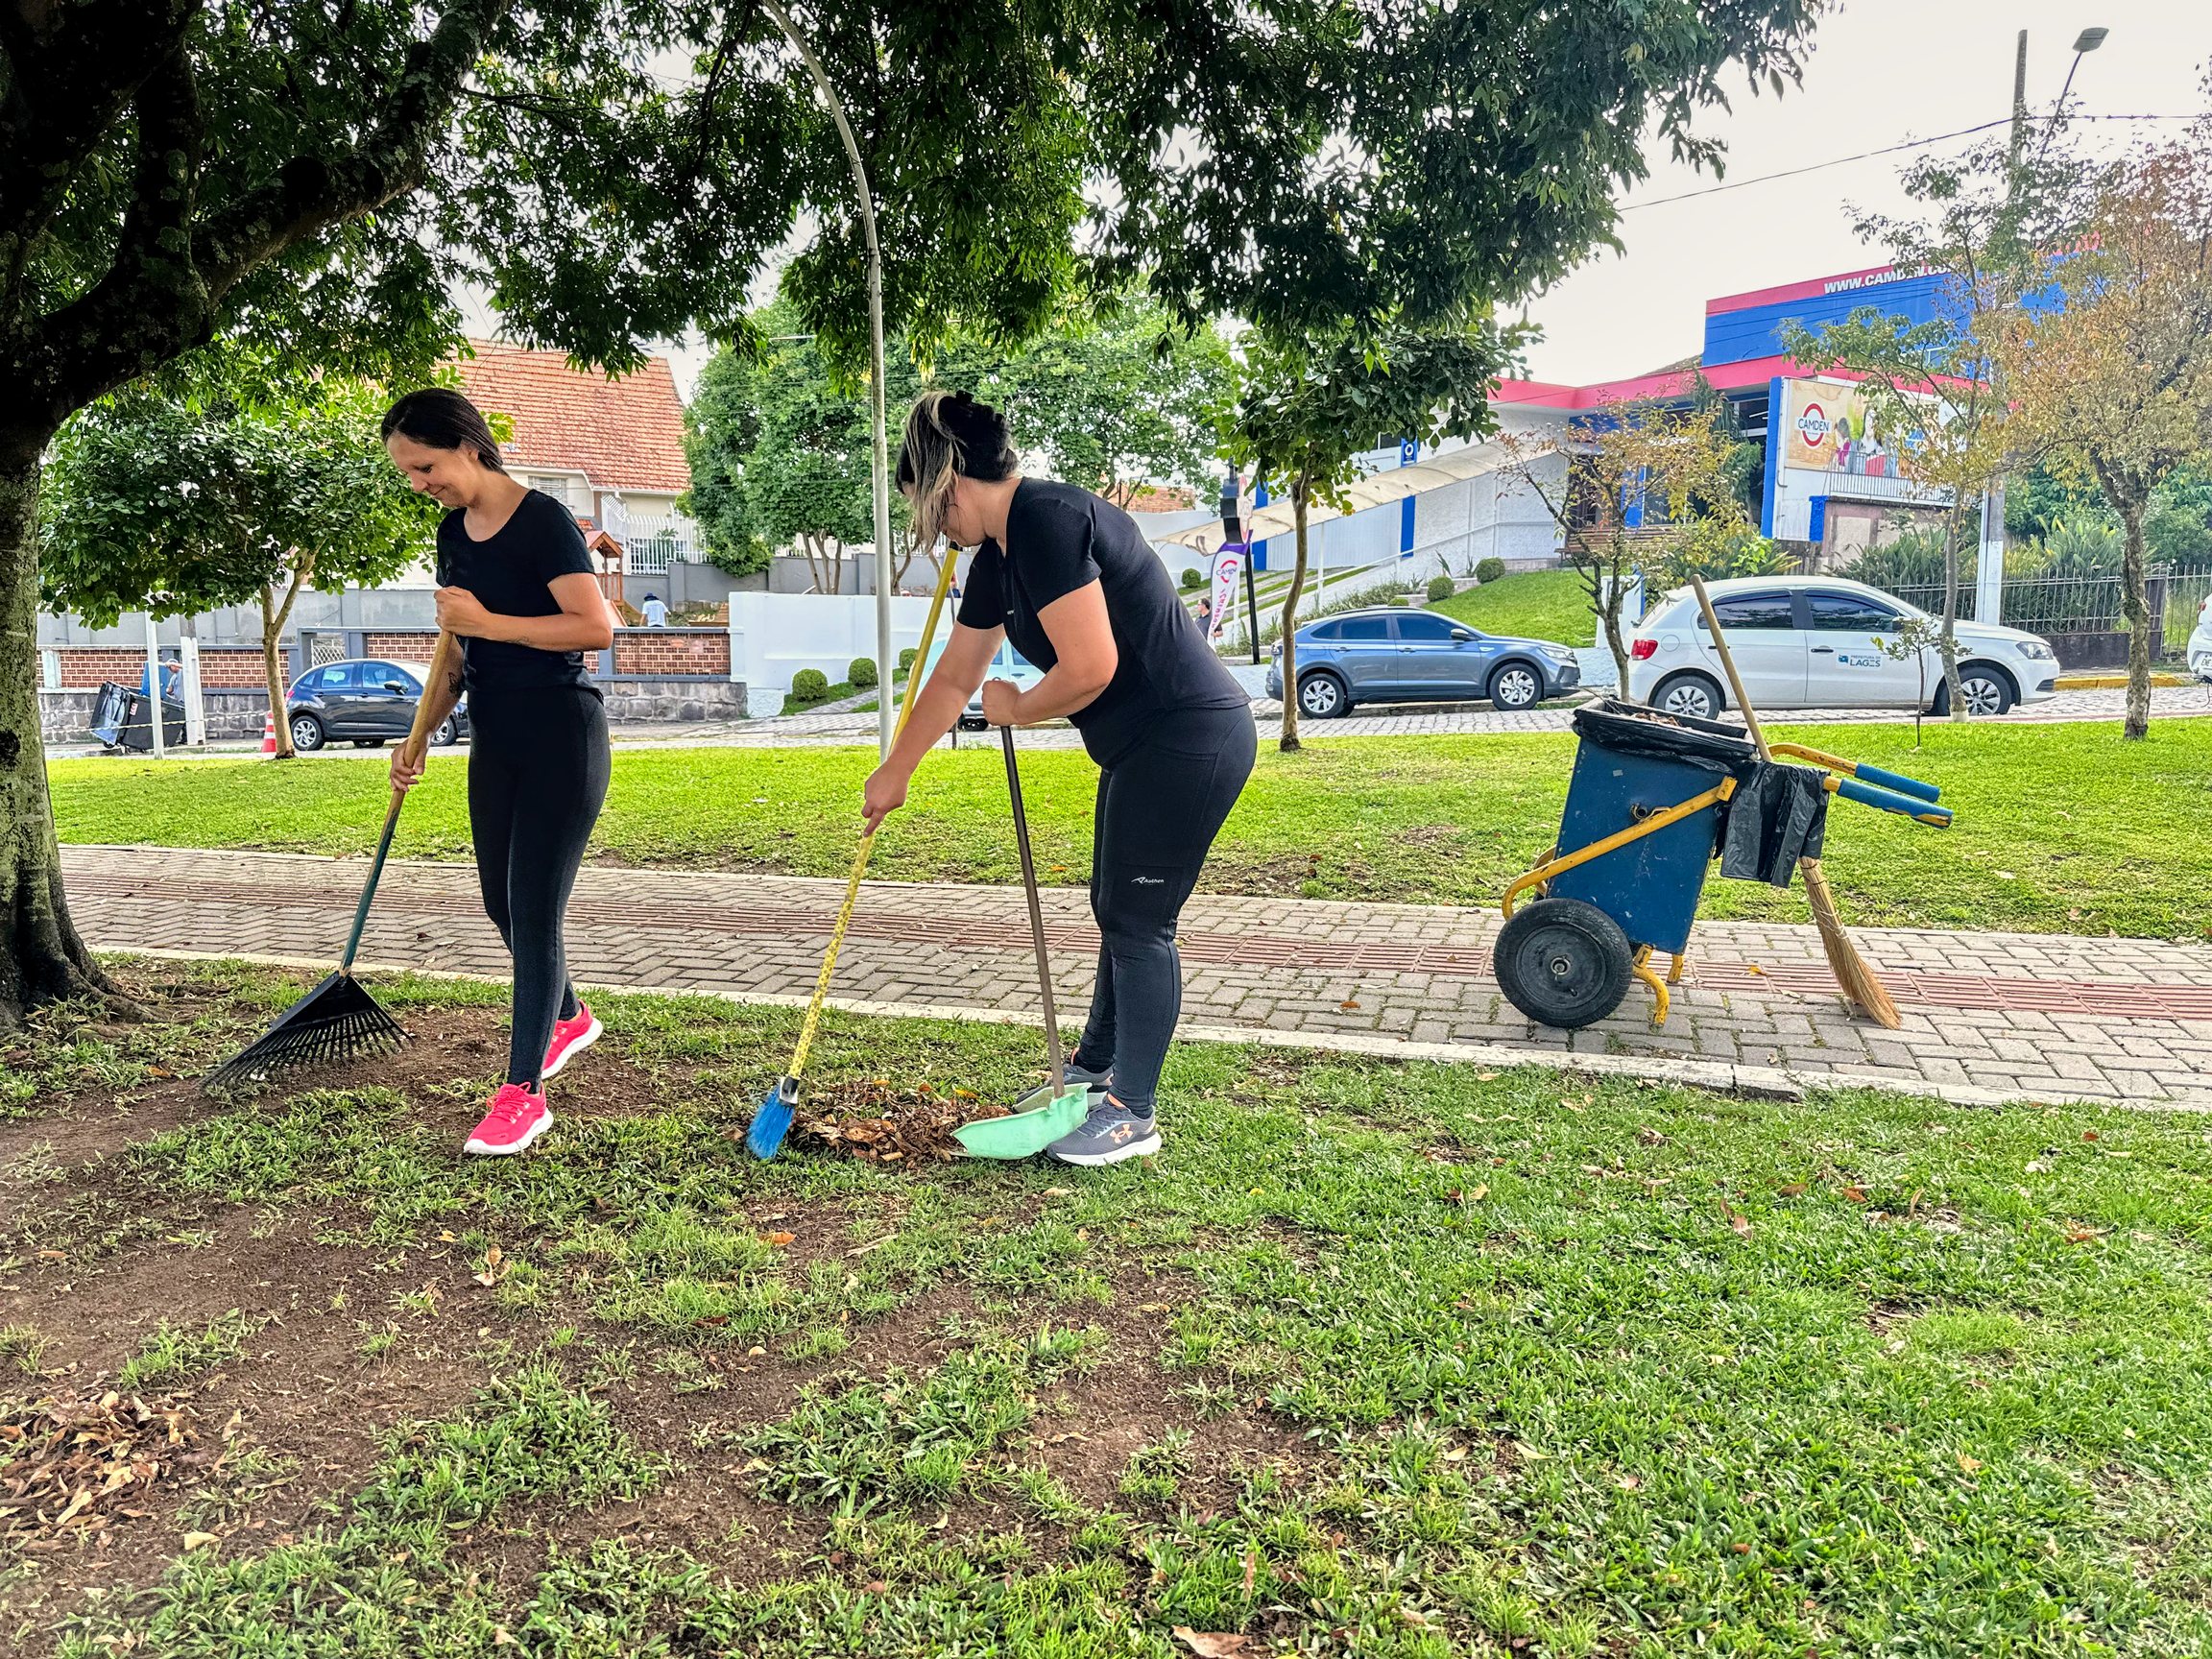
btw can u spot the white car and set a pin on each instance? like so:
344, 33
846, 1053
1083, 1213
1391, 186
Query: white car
1817, 642
2200, 640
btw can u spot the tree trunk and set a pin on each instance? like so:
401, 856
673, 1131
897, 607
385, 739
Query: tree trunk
2135, 606
1289, 739
1948, 640
41, 958
273, 618
1609, 614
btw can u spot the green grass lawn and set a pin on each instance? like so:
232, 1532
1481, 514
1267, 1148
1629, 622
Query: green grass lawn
2061, 828
1535, 605
1394, 1362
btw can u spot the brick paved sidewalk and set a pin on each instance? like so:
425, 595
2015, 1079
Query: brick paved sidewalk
1986, 1015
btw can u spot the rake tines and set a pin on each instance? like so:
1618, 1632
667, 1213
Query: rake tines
336, 1020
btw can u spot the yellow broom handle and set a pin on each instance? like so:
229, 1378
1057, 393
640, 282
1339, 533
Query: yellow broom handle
808, 1025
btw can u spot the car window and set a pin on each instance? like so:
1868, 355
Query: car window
337, 676
1753, 611
378, 673
1423, 630
1852, 613
1321, 633
1363, 630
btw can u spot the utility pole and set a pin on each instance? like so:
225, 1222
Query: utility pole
880, 470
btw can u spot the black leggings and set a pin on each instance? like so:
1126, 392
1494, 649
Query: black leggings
1159, 806
538, 764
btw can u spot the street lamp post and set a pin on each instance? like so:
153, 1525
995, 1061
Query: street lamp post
880, 471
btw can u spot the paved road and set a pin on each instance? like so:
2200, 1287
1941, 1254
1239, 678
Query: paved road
1986, 1016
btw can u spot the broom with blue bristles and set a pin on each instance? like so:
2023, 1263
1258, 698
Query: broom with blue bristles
773, 1121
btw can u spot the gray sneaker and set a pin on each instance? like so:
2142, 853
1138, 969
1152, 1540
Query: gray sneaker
1107, 1136
1095, 1082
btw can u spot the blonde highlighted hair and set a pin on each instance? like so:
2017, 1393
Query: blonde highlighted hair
949, 436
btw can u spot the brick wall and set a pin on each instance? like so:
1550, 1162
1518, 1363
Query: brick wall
84, 666
402, 645
650, 652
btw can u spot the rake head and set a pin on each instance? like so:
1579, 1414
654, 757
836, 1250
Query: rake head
336, 1020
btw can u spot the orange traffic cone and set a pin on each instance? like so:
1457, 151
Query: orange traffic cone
269, 733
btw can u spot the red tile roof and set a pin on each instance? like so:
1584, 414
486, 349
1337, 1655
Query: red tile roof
624, 434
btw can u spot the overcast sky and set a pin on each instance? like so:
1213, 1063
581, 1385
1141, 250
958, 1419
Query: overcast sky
1880, 71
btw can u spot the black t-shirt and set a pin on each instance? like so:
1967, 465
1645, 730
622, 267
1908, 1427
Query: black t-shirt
1059, 538
511, 573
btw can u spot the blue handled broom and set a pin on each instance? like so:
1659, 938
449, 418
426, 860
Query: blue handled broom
773, 1121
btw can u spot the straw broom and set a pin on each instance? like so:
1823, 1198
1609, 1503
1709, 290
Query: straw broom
1853, 973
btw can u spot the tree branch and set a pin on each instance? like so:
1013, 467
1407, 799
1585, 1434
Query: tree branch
68, 84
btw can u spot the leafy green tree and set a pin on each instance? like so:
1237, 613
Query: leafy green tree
313, 178
1304, 416
1983, 222
177, 505
1112, 404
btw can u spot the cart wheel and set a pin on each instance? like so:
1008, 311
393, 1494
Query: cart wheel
1563, 962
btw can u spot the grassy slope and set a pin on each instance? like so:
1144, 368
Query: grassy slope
1535, 605
2061, 828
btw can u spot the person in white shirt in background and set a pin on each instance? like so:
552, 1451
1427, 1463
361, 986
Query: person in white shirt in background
655, 609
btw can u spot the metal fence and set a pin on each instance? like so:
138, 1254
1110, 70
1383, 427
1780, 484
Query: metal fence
2083, 618
650, 544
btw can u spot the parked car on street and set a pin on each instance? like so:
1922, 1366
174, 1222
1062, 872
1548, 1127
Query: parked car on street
1007, 664
2200, 640
1817, 642
366, 702
1392, 653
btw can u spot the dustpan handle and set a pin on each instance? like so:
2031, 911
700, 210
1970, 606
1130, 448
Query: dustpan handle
1036, 915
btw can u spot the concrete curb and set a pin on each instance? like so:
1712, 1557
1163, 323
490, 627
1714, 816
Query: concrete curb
1763, 1082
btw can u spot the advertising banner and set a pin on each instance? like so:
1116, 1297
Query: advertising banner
1228, 572
1832, 427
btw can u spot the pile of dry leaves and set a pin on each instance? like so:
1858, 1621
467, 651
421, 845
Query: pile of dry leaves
883, 1123
70, 1463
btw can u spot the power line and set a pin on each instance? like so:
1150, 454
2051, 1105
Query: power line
1870, 154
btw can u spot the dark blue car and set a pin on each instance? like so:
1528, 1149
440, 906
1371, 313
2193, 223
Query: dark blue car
1394, 655
364, 701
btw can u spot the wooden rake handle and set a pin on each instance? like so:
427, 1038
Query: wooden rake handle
1729, 668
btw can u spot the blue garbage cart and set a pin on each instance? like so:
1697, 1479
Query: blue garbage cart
1646, 807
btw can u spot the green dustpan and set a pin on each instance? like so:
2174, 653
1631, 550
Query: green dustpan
1026, 1134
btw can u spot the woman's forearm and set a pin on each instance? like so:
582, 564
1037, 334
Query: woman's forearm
563, 631
1060, 692
935, 708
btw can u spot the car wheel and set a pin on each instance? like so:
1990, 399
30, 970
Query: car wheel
1563, 962
1988, 691
1322, 696
306, 734
449, 733
1692, 696
1515, 686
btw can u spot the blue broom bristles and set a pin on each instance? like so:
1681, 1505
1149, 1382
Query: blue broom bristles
773, 1121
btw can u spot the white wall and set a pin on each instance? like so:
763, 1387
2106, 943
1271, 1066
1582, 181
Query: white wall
773, 636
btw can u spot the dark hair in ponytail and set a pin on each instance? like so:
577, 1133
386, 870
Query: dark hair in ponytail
949, 435
442, 418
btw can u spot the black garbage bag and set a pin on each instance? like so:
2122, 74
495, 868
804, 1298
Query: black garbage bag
1636, 729
1778, 815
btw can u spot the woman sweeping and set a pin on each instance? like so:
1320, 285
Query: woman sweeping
1072, 581
516, 589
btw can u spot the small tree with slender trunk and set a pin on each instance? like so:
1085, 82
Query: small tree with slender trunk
1306, 413
1989, 217
1635, 476
237, 494
2116, 380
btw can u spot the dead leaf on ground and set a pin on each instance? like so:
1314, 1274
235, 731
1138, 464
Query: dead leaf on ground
67, 1461
1215, 1644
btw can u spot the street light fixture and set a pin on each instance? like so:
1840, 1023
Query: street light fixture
2084, 43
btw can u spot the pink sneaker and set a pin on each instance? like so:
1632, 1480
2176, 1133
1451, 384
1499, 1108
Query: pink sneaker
570, 1037
517, 1117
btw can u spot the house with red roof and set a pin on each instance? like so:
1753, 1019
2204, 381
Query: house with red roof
610, 448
